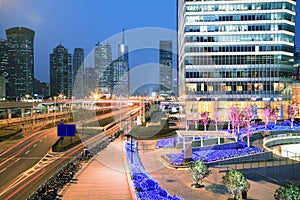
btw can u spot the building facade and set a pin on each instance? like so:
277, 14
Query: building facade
103, 59
41, 89
78, 61
90, 81
165, 66
3, 58
20, 67
235, 49
60, 72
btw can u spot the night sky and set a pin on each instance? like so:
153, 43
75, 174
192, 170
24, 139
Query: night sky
79, 23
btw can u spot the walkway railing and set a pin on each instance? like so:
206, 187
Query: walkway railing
259, 164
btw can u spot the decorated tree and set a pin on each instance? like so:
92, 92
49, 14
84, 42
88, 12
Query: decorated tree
199, 171
274, 114
235, 118
267, 116
235, 182
246, 119
205, 119
216, 118
293, 111
289, 191
254, 112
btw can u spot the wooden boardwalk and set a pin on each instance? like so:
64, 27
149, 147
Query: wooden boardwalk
104, 178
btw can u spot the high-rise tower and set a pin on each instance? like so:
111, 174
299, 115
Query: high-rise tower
235, 49
78, 61
20, 67
123, 65
165, 66
103, 59
60, 72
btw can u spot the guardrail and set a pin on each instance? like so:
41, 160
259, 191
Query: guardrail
281, 139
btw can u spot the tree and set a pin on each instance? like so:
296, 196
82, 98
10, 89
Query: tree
289, 191
274, 114
267, 115
216, 118
246, 119
199, 171
293, 111
205, 119
254, 112
234, 116
235, 182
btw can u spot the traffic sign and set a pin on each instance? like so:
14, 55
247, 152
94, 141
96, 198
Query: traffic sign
64, 130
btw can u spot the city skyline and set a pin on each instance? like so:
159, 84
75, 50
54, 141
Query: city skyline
95, 23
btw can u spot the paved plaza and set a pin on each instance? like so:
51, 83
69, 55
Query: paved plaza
106, 177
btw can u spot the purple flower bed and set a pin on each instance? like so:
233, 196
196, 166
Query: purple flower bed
215, 153
146, 187
167, 143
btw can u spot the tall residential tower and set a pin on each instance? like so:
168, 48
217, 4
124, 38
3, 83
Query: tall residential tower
235, 49
60, 72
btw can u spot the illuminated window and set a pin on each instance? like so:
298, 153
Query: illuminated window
223, 87
228, 88
239, 88
210, 88
249, 87
258, 86
191, 87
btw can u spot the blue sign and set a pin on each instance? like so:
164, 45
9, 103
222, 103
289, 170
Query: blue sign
64, 130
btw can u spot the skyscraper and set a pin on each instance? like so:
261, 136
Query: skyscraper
3, 58
78, 73
78, 61
103, 59
90, 80
165, 66
3, 67
60, 72
235, 49
123, 71
20, 67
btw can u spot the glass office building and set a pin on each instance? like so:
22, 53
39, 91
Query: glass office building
20, 67
165, 66
235, 49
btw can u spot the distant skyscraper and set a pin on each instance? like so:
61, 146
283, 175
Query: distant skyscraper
90, 80
78, 61
235, 49
165, 66
20, 66
3, 58
122, 68
60, 72
103, 59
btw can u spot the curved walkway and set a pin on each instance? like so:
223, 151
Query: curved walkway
104, 178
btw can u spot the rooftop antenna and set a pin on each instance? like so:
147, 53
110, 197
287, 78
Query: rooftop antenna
123, 38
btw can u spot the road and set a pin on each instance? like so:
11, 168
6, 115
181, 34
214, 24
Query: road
26, 165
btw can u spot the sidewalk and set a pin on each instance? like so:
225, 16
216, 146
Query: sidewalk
104, 178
